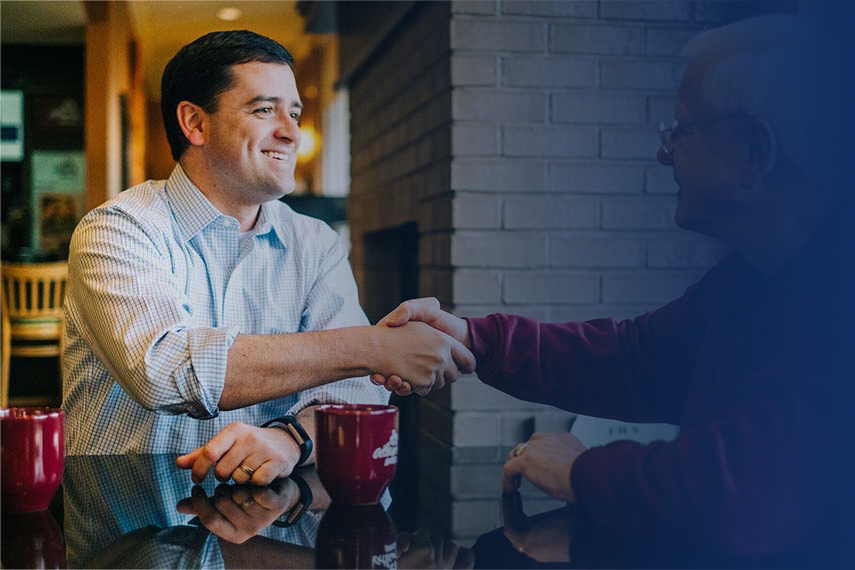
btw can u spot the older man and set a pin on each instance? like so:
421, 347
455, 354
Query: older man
750, 360
199, 308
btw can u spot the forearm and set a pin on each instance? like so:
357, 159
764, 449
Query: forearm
266, 367
602, 367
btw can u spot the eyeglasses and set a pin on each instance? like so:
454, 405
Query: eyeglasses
668, 135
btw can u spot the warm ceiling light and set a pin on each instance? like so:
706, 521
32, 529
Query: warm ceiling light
229, 14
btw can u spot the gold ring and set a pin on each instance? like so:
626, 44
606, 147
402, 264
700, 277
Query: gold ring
519, 449
244, 505
248, 470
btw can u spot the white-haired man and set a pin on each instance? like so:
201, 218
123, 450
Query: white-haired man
749, 360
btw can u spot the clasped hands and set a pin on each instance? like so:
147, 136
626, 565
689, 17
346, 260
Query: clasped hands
431, 348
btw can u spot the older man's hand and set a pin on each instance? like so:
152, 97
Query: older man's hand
546, 460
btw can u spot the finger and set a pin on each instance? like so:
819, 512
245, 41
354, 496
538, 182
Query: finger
405, 389
211, 453
232, 464
185, 507
465, 558
511, 474
186, 461
515, 520
450, 374
449, 554
268, 471
276, 500
378, 379
209, 516
239, 494
394, 382
404, 542
463, 357
235, 513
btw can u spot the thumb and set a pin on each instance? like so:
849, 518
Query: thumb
424, 309
398, 317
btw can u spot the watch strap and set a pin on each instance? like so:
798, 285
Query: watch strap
303, 504
291, 425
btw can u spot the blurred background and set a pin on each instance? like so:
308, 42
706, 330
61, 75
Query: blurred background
498, 155
81, 103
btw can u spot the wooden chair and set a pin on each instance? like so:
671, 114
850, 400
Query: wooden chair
32, 295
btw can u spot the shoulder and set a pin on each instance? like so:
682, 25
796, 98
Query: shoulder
146, 201
143, 208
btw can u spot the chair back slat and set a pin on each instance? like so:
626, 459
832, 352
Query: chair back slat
34, 290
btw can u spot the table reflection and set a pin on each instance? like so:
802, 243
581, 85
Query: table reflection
141, 511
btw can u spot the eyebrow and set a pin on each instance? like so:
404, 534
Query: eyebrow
275, 100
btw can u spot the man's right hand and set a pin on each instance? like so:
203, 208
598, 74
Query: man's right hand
426, 310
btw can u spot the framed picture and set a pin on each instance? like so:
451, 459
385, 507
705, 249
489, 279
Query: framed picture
58, 184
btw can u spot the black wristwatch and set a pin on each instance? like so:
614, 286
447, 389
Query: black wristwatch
291, 425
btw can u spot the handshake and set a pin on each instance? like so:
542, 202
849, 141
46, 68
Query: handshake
420, 348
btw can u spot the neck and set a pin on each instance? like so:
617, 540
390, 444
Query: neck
774, 235
225, 199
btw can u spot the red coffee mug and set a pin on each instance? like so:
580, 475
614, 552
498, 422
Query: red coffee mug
31, 452
357, 450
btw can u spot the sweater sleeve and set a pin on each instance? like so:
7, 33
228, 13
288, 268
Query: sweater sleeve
633, 370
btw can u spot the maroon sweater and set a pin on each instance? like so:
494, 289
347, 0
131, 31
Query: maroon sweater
748, 366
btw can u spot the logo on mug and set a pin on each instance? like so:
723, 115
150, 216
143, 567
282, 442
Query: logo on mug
389, 451
388, 560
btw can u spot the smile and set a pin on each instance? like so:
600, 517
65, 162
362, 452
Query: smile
274, 155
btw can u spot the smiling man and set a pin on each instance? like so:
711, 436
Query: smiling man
200, 308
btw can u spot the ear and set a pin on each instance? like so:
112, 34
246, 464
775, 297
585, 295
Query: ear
191, 119
762, 152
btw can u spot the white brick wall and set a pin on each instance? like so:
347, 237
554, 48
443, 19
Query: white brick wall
521, 137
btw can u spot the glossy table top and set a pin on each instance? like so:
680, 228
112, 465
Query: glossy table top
141, 511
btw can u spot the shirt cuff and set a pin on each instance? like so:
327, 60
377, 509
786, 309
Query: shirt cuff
208, 355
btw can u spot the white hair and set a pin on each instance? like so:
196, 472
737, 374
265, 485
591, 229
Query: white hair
785, 71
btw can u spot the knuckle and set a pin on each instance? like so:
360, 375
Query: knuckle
209, 453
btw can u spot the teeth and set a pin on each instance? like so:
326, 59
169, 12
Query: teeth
274, 154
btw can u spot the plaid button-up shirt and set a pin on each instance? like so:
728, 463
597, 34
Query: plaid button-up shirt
160, 284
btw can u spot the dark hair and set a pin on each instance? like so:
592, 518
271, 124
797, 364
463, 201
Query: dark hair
201, 71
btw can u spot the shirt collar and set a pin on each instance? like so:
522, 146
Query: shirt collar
194, 211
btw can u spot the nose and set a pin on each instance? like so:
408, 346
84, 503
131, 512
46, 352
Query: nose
288, 130
663, 157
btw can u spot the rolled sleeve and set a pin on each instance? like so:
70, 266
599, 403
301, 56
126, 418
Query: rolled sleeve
124, 300
201, 385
